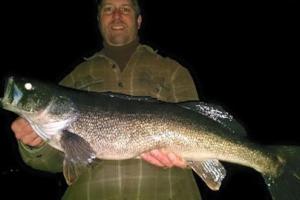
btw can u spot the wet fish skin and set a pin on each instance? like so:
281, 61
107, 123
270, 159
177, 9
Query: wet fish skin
86, 125
133, 127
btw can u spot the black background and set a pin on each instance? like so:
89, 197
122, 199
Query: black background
241, 55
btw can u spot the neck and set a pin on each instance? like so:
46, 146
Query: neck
120, 54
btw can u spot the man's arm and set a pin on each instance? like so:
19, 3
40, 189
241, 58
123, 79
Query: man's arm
34, 151
183, 86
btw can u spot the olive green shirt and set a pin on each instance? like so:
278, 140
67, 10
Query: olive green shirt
146, 74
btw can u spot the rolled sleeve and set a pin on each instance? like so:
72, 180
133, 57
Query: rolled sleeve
43, 158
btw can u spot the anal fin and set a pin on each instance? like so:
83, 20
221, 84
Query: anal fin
211, 172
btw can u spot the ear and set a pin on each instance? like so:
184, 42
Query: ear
139, 21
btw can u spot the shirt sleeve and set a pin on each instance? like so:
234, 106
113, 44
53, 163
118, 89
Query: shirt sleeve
183, 86
43, 158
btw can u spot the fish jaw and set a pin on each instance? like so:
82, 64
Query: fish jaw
8, 102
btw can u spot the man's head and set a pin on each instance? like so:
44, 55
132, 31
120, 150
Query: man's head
119, 21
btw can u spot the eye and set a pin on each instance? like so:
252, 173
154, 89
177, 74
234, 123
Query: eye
108, 9
125, 9
28, 86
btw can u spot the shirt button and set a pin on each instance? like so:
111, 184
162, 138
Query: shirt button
120, 84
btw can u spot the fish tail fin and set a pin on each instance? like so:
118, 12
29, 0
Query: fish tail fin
287, 185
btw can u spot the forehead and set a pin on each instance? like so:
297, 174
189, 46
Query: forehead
117, 2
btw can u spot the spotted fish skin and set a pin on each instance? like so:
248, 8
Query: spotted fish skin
88, 125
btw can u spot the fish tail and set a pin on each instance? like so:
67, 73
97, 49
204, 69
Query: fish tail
286, 186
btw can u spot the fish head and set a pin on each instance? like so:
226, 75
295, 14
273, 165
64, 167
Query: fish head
25, 96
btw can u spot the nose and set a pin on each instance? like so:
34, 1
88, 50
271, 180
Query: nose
117, 14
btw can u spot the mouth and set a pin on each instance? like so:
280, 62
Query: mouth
117, 27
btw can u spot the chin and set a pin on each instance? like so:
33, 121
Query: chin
118, 42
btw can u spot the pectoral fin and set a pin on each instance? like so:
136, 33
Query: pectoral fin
211, 172
78, 154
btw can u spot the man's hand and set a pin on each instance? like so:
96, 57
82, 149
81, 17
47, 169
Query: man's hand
163, 158
25, 133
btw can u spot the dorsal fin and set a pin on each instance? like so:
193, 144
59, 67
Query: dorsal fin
131, 98
216, 113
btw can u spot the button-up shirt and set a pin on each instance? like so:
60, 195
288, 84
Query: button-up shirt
146, 74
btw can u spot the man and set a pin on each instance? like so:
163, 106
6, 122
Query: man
123, 66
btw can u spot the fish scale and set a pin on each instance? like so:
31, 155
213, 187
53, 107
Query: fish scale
89, 125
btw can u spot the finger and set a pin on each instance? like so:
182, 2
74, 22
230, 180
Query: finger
28, 139
177, 160
162, 157
25, 132
37, 142
18, 124
21, 128
149, 158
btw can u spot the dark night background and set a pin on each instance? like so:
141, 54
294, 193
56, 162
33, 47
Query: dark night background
242, 56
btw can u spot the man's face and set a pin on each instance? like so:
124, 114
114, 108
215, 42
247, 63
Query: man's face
118, 22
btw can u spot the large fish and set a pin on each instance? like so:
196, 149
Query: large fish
88, 125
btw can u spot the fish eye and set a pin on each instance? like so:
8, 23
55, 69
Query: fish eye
28, 86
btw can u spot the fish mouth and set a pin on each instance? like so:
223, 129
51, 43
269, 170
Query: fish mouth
8, 92
7, 88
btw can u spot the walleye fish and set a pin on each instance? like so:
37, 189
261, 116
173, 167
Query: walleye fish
89, 125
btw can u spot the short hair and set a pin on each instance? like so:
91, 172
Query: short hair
135, 4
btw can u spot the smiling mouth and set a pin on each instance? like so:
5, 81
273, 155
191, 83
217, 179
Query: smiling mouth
117, 27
